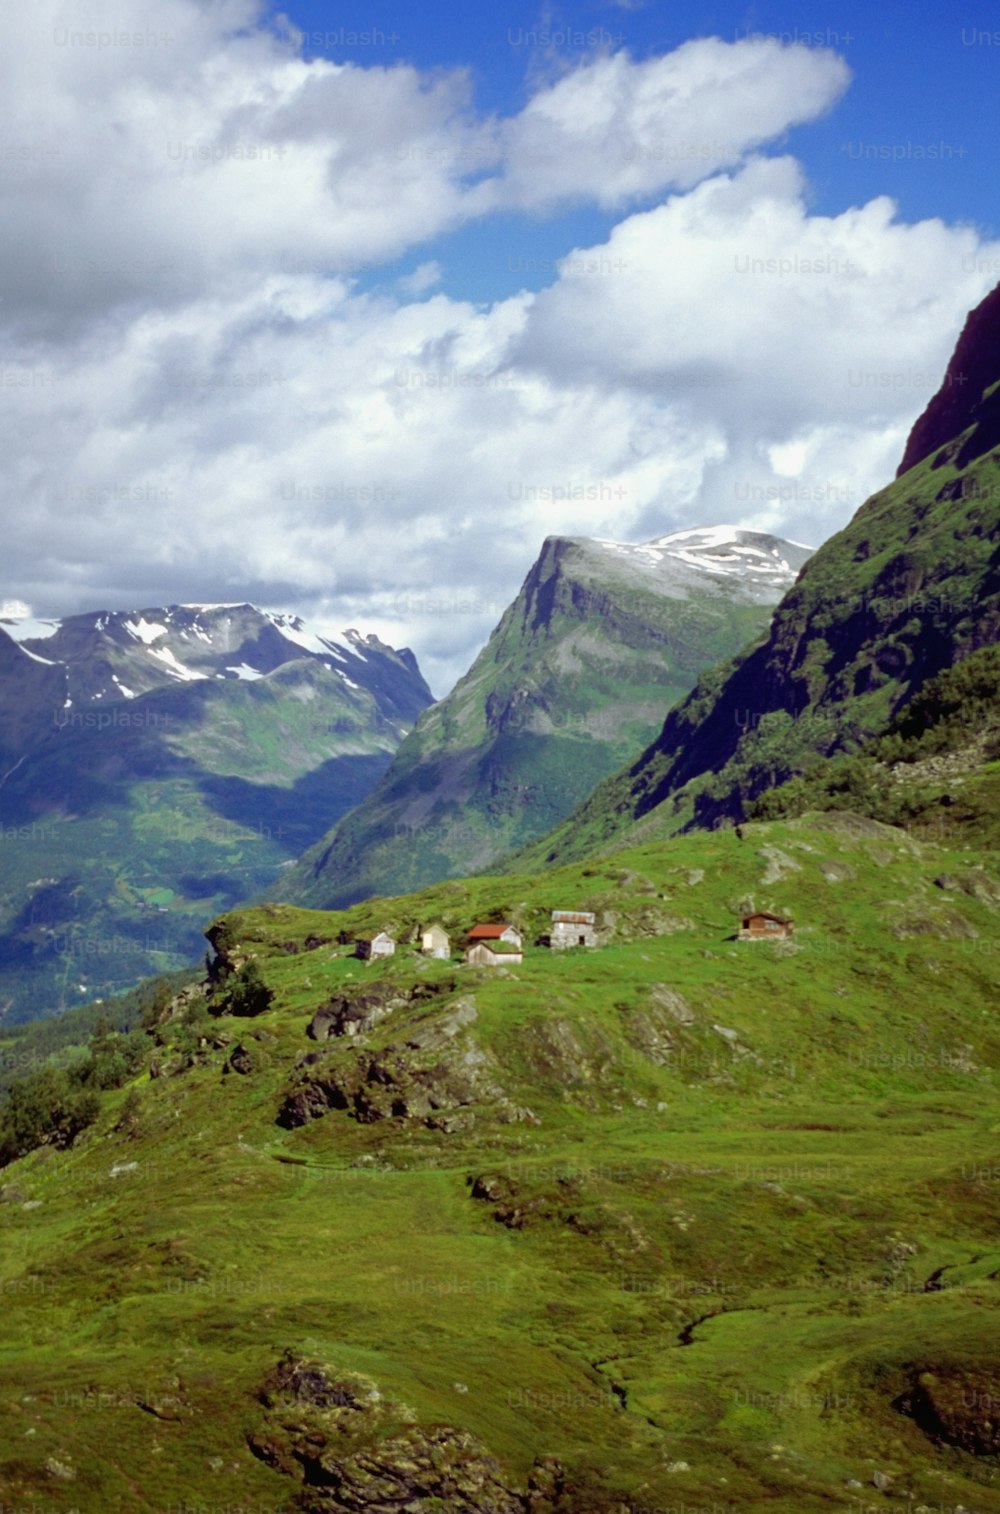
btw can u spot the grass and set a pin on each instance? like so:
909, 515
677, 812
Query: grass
792, 1148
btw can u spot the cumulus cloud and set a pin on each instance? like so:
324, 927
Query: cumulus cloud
615, 130
827, 335
203, 403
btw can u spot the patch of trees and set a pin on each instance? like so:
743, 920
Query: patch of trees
947, 712
54, 1104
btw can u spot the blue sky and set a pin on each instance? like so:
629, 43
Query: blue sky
343, 310
919, 121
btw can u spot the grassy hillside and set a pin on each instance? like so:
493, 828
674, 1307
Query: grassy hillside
680, 1222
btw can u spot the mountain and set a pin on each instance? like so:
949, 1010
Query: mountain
162, 763
602, 637
967, 405
121, 654
677, 1223
909, 589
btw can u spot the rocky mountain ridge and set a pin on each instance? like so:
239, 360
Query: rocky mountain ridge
601, 639
158, 763
905, 591
118, 654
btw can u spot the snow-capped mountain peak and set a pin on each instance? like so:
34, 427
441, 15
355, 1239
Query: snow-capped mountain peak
116, 654
752, 559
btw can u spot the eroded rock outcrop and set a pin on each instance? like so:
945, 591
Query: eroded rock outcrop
434, 1072
351, 1450
956, 1405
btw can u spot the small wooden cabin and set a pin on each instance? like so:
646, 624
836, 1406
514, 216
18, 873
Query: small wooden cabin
572, 928
370, 947
763, 926
508, 935
494, 954
435, 942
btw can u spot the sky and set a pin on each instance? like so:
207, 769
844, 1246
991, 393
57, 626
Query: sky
343, 309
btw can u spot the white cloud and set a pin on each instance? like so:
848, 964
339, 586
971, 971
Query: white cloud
202, 404
615, 130
827, 335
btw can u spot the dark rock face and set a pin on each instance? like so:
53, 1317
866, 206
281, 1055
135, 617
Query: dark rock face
961, 401
351, 1451
433, 1072
353, 1014
956, 1406
384, 1085
246, 1059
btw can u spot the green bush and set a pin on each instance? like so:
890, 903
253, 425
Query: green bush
248, 993
51, 1106
47, 1108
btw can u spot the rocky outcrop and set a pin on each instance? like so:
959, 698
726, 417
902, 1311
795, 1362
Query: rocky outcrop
955, 1405
511, 1205
961, 401
351, 1451
356, 1013
436, 1074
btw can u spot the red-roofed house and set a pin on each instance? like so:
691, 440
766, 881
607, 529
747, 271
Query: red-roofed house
508, 934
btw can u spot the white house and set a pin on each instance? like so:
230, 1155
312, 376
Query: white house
368, 947
435, 942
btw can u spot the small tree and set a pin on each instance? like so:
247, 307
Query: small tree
249, 994
131, 1110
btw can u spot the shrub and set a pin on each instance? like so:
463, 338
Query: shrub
248, 993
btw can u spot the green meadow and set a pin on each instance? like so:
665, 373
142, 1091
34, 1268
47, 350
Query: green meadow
687, 1222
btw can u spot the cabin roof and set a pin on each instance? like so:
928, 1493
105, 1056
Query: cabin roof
488, 932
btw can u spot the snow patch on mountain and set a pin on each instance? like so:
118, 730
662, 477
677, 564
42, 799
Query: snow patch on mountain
46, 661
25, 627
146, 631
174, 668
294, 629
724, 551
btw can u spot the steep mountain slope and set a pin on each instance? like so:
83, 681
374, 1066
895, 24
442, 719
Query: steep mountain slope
161, 764
908, 589
968, 397
679, 1223
32, 691
602, 637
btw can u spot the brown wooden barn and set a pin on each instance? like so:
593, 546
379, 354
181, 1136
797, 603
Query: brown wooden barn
572, 928
761, 925
493, 954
